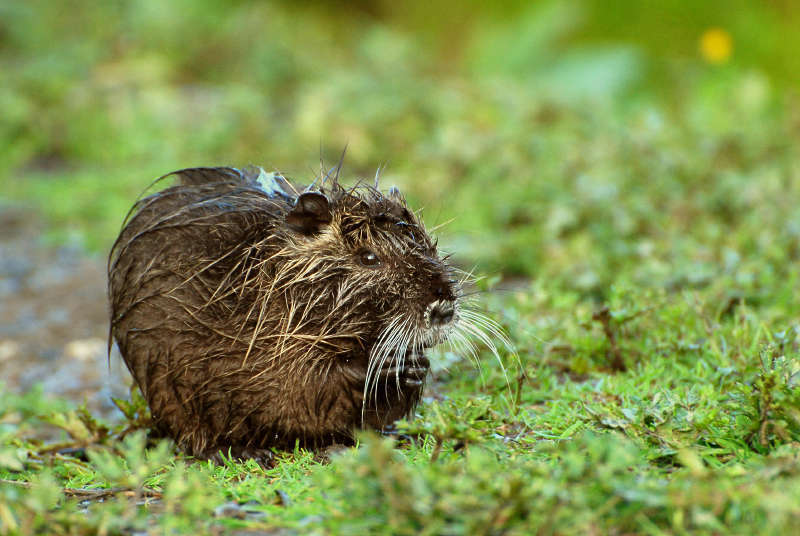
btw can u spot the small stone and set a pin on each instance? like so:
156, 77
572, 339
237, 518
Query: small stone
230, 509
8, 349
85, 349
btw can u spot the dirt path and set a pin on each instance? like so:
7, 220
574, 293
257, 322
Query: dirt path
53, 318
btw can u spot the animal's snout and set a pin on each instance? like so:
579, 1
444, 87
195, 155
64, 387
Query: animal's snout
441, 314
443, 289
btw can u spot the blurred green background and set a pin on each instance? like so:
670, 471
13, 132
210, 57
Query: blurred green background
580, 143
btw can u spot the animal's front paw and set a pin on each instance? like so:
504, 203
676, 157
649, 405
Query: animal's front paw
411, 373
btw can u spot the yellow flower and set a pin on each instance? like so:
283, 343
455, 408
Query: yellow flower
716, 45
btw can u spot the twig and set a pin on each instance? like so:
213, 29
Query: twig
94, 494
615, 355
437, 449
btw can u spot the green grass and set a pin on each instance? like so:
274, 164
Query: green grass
644, 215
699, 433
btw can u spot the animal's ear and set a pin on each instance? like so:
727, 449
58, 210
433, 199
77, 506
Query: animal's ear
310, 214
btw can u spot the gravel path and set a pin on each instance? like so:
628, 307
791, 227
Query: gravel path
53, 318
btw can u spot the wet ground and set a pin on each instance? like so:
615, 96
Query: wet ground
53, 318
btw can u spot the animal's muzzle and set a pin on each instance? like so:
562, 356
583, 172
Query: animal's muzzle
440, 313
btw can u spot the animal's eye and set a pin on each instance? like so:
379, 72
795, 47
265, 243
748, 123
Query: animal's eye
368, 258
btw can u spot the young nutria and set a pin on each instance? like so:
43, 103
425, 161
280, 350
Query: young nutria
256, 314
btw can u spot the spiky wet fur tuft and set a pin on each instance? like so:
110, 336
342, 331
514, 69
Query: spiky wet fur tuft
251, 314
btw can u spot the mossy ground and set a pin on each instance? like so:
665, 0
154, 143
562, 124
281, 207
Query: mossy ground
637, 216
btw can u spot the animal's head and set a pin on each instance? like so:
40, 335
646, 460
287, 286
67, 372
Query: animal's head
377, 259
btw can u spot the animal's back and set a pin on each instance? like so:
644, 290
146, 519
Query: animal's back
169, 265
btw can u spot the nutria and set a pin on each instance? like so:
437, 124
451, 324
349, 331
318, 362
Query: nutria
255, 314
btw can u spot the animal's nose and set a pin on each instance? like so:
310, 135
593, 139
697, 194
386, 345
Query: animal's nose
442, 314
443, 289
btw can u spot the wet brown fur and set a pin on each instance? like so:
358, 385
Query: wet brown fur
243, 308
